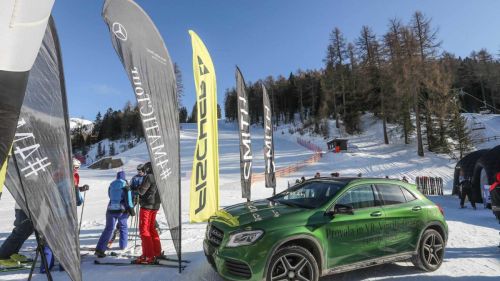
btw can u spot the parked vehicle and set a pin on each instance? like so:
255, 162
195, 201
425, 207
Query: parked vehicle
325, 226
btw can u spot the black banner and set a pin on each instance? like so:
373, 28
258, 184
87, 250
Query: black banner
22, 27
268, 140
42, 181
245, 141
145, 58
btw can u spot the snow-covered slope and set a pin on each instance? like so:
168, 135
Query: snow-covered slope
79, 122
471, 253
485, 129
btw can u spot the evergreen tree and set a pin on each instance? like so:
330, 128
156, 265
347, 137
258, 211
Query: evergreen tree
112, 151
183, 115
219, 113
179, 85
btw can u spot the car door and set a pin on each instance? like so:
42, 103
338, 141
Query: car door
355, 237
403, 218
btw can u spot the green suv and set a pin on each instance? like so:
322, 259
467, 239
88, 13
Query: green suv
325, 226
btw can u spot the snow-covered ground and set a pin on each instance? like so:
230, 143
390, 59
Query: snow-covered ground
472, 252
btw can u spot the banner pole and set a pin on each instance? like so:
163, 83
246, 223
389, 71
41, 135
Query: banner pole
33, 264
42, 255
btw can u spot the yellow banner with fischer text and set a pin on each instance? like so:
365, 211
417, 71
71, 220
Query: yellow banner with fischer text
204, 191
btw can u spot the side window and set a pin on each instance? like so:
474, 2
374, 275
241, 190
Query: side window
391, 194
359, 197
408, 195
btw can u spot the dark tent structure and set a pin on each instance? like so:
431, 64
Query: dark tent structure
467, 164
485, 170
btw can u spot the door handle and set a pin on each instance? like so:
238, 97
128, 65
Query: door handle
376, 214
416, 208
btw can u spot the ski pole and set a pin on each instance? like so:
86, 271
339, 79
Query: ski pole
81, 215
136, 228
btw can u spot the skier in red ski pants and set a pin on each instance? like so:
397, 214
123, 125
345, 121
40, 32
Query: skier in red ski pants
150, 204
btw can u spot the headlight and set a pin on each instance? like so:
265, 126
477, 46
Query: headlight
244, 238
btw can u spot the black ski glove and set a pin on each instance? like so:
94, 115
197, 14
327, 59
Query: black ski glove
131, 212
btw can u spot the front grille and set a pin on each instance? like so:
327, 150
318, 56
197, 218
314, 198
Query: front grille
215, 235
238, 268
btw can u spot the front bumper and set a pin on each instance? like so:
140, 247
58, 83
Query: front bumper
245, 263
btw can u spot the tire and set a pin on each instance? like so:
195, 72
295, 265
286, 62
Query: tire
293, 263
430, 252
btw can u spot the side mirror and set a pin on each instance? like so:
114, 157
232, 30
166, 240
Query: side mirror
343, 209
339, 209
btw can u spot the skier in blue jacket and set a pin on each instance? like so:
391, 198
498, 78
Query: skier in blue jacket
119, 207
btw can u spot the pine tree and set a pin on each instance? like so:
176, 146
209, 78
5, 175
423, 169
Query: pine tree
426, 42
369, 50
180, 86
219, 113
183, 115
194, 114
112, 149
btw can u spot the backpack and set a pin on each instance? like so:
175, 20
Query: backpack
115, 192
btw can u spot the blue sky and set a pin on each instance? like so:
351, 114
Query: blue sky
262, 37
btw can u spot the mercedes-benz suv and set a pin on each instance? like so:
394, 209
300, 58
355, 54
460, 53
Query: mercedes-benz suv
325, 226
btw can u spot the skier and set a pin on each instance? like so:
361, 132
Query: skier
49, 256
23, 228
495, 197
404, 179
465, 186
119, 207
135, 182
150, 204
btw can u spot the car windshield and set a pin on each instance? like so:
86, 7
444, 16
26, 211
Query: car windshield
309, 195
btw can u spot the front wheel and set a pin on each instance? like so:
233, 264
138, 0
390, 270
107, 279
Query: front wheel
293, 263
430, 251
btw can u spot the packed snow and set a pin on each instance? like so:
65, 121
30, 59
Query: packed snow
472, 252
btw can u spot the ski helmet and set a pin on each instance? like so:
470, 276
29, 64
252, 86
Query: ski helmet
76, 163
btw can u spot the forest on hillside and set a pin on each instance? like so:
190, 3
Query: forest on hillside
402, 77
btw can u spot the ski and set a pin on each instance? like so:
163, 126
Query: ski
161, 258
97, 262
24, 266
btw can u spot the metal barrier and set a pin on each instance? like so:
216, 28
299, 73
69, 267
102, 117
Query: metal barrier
285, 171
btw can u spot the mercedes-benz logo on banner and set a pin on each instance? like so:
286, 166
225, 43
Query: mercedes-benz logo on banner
120, 31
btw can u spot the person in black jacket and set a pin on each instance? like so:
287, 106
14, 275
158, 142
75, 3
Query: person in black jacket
465, 185
149, 200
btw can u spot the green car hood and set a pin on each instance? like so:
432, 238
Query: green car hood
261, 211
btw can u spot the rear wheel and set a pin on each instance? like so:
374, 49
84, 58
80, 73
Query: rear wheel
430, 251
293, 263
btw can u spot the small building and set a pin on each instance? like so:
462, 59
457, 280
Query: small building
342, 143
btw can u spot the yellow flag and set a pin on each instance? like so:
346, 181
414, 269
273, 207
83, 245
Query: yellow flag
204, 193
3, 171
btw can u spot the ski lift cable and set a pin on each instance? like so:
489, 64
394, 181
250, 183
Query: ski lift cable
461, 91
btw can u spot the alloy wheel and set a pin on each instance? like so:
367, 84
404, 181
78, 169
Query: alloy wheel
433, 250
292, 267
